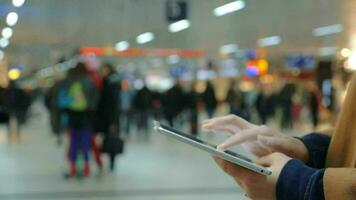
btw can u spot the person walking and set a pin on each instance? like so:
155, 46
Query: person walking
209, 99
81, 95
107, 114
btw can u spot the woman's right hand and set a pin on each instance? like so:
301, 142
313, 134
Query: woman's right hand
258, 139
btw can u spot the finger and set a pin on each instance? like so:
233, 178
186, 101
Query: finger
240, 137
225, 121
266, 161
275, 144
232, 169
223, 130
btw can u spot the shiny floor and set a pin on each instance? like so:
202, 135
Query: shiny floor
159, 169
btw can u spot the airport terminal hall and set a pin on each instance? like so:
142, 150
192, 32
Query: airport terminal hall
177, 100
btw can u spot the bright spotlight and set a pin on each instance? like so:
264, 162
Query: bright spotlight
6, 32
4, 42
18, 3
14, 74
179, 25
122, 46
229, 8
351, 62
145, 38
12, 18
328, 30
269, 41
345, 52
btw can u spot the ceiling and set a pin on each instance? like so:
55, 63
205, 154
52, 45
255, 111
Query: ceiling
49, 29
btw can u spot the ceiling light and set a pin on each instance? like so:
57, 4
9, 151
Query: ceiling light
327, 51
351, 63
229, 48
122, 46
345, 52
179, 25
229, 8
328, 30
12, 18
269, 41
6, 33
4, 42
14, 74
145, 37
18, 3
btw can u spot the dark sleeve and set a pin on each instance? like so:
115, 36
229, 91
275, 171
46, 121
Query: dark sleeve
300, 182
317, 145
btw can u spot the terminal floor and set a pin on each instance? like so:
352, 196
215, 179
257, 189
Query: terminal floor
157, 169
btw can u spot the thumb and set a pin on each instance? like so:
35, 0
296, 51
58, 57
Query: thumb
275, 144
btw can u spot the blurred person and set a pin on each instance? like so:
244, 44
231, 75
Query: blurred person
55, 111
156, 105
236, 101
126, 108
192, 98
285, 101
4, 115
209, 99
143, 103
107, 114
314, 102
173, 102
16, 102
296, 110
81, 100
265, 105
313, 167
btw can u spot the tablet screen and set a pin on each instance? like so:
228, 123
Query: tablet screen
204, 142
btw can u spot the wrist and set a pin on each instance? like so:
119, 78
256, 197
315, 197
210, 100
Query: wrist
303, 153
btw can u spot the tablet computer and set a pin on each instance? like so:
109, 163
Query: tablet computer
211, 148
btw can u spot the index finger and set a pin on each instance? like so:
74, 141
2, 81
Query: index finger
225, 121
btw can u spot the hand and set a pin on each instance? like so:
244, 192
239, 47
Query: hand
260, 140
257, 186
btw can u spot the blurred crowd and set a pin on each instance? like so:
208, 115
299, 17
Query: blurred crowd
98, 109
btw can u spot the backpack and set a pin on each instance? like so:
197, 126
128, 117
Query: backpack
73, 97
78, 98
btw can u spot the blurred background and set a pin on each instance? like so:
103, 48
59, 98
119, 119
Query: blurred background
82, 80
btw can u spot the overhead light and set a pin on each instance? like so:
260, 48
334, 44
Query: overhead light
6, 32
328, 30
345, 52
229, 8
18, 3
145, 37
327, 51
179, 25
122, 46
350, 64
229, 48
14, 74
269, 41
12, 18
4, 42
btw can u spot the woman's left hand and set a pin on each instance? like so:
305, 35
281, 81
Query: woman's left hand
257, 186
